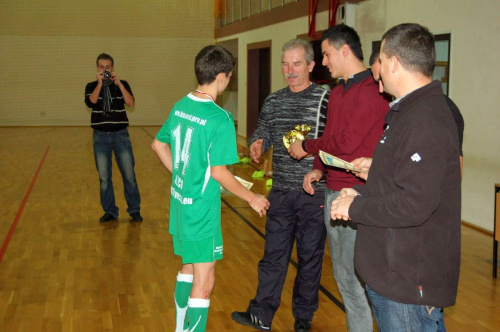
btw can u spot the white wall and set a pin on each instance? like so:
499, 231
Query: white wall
279, 34
475, 47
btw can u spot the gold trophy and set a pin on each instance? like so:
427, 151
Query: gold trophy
298, 134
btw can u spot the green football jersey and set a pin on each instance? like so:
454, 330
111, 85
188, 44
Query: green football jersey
201, 134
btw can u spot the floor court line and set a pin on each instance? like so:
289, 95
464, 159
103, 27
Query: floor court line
21, 207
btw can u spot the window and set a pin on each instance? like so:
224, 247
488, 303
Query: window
442, 69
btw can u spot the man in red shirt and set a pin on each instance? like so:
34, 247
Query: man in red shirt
355, 122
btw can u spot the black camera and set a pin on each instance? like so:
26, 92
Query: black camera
107, 75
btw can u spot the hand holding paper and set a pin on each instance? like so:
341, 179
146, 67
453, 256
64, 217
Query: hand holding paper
330, 160
364, 164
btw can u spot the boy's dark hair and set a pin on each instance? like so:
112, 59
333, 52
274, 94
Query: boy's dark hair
374, 55
104, 56
210, 62
413, 45
341, 34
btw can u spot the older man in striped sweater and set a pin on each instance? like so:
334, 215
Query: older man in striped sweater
294, 215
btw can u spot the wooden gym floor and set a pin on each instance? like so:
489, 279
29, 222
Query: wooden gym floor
62, 270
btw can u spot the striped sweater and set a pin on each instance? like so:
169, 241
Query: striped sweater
117, 119
283, 110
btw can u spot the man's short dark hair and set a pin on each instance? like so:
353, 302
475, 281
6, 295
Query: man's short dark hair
341, 34
374, 55
104, 56
210, 62
413, 45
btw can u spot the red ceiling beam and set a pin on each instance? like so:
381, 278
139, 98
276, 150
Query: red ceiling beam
333, 5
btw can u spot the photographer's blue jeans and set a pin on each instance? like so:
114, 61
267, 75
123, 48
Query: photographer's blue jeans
105, 143
341, 239
395, 317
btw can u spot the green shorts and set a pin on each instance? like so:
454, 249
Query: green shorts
202, 251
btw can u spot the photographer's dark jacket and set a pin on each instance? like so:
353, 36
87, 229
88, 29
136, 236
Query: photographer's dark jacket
116, 119
408, 214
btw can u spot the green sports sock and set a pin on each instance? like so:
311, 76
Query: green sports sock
198, 314
181, 295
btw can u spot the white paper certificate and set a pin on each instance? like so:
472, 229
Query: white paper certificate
330, 160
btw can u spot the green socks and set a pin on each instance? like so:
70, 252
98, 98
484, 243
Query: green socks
198, 314
181, 295
195, 309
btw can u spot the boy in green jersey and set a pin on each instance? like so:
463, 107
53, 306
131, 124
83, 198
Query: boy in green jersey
195, 144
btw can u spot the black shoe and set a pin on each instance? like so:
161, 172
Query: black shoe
248, 319
107, 217
136, 216
302, 325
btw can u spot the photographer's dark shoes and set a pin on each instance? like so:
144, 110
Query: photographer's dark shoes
136, 217
107, 217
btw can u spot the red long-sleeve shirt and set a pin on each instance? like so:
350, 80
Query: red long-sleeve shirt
355, 123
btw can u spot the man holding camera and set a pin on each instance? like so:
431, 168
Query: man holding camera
107, 98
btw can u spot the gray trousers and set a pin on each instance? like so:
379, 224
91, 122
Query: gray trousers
341, 239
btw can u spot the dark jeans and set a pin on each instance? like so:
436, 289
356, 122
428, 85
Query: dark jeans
293, 216
105, 143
